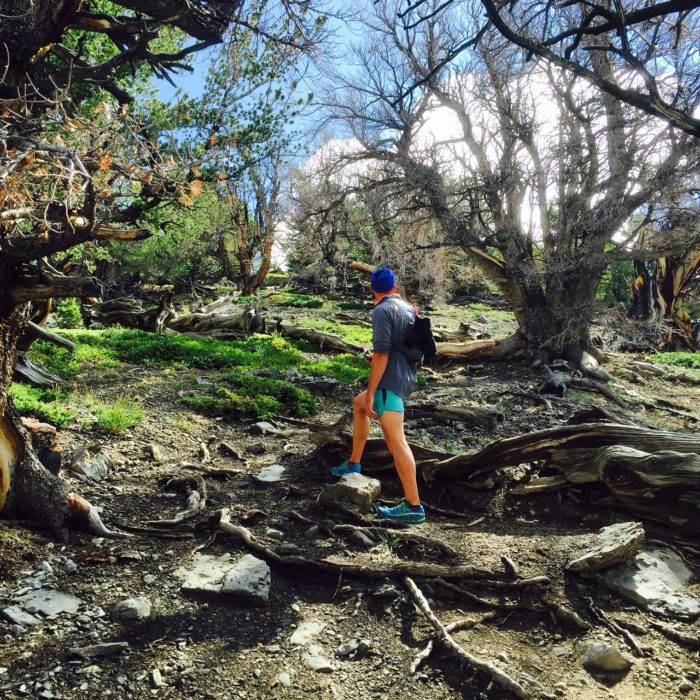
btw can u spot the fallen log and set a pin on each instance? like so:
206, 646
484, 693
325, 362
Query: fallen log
320, 339
509, 348
652, 473
131, 313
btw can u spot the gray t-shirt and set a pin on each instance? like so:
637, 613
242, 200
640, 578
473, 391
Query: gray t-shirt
391, 319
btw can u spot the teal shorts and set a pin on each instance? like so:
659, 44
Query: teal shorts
387, 400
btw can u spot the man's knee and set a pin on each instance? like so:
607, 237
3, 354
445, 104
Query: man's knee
359, 401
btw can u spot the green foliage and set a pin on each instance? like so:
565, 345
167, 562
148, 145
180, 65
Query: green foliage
479, 309
67, 364
355, 305
229, 404
353, 333
112, 346
252, 396
67, 314
298, 301
47, 405
615, 284
118, 416
679, 359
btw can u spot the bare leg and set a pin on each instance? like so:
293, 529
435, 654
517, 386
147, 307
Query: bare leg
392, 424
360, 428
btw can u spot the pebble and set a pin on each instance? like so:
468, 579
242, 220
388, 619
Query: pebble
685, 686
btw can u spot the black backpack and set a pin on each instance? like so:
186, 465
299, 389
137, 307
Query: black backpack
420, 338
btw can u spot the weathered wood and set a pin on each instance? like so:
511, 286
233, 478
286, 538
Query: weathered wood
508, 348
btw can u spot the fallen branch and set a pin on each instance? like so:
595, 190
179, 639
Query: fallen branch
692, 641
456, 626
615, 628
496, 674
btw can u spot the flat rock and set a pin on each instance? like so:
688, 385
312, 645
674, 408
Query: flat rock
263, 428
306, 631
90, 464
270, 474
352, 493
94, 651
609, 546
49, 602
136, 608
206, 574
17, 616
361, 540
655, 579
249, 579
605, 658
314, 659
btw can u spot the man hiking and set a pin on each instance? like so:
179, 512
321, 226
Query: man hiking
392, 378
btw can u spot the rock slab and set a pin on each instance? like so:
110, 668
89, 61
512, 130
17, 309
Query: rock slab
247, 578
353, 493
611, 545
49, 602
656, 579
91, 465
17, 616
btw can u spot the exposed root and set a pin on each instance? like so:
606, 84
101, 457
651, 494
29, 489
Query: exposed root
456, 626
196, 490
692, 641
83, 511
500, 677
376, 570
615, 628
597, 386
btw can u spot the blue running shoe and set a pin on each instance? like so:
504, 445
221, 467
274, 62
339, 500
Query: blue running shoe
346, 468
402, 513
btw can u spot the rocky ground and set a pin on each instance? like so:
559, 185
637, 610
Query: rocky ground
116, 618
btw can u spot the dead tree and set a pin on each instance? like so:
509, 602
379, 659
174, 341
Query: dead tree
638, 37
62, 179
582, 174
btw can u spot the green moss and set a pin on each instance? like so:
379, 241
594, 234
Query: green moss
47, 405
67, 364
293, 399
298, 301
678, 359
118, 416
347, 369
355, 305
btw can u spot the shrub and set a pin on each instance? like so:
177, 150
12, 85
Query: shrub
48, 405
67, 314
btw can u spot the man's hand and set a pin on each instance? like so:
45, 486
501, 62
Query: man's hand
368, 408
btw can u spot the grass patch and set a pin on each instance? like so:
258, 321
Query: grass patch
355, 305
297, 301
68, 365
679, 359
48, 405
118, 416
359, 335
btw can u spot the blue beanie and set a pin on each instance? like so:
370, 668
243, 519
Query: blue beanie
383, 280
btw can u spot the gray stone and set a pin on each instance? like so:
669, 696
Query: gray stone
289, 549
17, 616
270, 474
49, 602
605, 658
137, 608
306, 631
656, 580
275, 534
263, 428
685, 686
361, 540
249, 579
347, 648
100, 650
314, 659
257, 448
284, 679
611, 545
156, 452
353, 493
91, 464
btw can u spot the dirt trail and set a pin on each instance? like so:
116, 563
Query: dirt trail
202, 647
